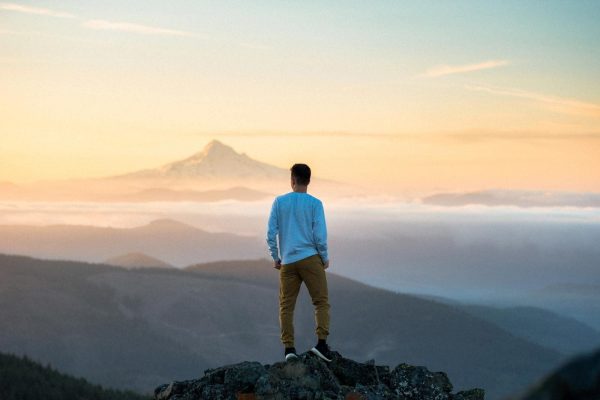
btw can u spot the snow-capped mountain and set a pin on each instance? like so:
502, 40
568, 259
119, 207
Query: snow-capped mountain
215, 161
217, 172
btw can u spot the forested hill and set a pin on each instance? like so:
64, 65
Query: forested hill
24, 379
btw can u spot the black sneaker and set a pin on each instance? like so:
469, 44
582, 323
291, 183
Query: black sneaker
290, 353
322, 350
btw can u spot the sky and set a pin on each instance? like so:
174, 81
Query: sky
416, 95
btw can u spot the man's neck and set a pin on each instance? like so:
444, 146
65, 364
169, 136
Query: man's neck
301, 189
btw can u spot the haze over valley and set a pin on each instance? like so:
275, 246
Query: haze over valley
489, 253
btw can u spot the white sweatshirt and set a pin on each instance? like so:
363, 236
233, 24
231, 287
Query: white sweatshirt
299, 221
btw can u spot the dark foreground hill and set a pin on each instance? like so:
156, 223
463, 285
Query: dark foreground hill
578, 379
308, 377
139, 328
23, 379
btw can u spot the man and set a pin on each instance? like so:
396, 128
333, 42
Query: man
298, 219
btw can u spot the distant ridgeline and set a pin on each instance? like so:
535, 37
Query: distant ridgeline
310, 378
23, 379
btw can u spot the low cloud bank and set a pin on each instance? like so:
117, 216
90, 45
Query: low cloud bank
519, 198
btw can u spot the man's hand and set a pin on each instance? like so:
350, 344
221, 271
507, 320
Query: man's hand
326, 264
277, 264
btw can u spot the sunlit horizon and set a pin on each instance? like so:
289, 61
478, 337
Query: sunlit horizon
412, 97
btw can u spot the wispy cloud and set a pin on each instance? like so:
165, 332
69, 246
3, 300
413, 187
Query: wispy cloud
120, 26
554, 103
100, 24
442, 70
132, 27
35, 10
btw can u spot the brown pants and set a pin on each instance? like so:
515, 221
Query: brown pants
310, 271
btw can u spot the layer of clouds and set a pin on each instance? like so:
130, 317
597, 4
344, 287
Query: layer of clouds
249, 218
519, 198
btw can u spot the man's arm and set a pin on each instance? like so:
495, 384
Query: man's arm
320, 232
272, 232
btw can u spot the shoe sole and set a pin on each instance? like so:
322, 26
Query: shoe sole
291, 356
318, 353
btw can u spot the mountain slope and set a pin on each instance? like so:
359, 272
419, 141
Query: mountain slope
137, 260
172, 241
424, 332
580, 300
540, 326
139, 328
55, 313
24, 379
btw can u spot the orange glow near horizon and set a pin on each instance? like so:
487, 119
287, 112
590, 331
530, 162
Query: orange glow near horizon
83, 99
402, 163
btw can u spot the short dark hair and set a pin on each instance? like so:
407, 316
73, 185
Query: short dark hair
302, 173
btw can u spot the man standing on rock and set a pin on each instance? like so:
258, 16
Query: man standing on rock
298, 219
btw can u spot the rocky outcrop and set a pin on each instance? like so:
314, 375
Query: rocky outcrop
310, 378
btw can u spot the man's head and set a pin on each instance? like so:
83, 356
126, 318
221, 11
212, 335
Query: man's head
300, 174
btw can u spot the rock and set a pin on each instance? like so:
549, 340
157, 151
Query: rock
372, 392
473, 394
310, 378
351, 373
172, 390
305, 378
410, 382
242, 376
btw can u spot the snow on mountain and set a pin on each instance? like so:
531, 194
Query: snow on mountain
217, 172
215, 161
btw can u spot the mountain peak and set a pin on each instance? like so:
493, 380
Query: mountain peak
214, 149
220, 161
216, 161
215, 144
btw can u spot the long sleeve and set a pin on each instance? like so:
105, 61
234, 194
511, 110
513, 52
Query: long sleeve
320, 231
273, 231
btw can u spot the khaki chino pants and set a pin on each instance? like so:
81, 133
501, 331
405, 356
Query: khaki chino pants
311, 271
